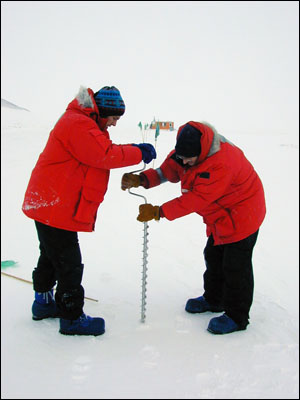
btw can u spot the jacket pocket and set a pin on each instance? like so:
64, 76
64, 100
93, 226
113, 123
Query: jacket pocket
221, 223
86, 211
225, 226
93, 191
88, 205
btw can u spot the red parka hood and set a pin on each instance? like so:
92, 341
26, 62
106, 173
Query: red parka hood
85, 103
206, 140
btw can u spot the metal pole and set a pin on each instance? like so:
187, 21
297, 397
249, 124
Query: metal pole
145, 256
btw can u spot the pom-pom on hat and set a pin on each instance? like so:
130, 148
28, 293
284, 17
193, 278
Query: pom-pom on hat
188, 142
109, 102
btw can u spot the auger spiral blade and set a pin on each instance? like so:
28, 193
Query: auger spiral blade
144, 273
144, 259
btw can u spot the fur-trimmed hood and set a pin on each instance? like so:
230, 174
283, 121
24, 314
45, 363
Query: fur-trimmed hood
85, 98
84, 102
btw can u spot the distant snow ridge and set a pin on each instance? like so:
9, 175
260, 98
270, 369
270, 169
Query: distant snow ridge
8, 104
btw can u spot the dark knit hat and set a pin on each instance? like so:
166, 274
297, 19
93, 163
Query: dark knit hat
188, 142
109, 102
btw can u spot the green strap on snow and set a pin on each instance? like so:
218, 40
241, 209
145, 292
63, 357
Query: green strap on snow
8, 263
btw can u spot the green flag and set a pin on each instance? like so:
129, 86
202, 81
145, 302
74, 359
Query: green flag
157, 130
140, 125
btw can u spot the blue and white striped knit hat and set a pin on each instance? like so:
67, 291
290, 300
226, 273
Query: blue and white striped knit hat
109, 102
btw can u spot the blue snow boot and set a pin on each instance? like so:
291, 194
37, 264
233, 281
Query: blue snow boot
44, 306
84, 325
223, 324
200, 305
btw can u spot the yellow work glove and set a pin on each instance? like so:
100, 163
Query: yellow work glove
130, 180
148, 212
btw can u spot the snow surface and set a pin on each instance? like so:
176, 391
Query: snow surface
171, 355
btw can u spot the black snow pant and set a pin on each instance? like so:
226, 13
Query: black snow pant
228, 279
60, 262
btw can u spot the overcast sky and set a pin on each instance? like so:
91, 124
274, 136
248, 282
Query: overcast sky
233, 64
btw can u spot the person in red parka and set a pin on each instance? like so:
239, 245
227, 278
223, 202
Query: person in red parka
221, 185
66, 187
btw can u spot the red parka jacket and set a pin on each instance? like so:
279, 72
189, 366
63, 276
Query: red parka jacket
71, 176
222, 187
